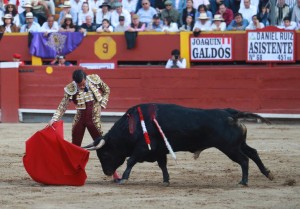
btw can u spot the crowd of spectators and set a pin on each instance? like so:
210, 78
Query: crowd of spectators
146, 15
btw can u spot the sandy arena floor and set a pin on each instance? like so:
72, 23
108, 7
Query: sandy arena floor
209, 182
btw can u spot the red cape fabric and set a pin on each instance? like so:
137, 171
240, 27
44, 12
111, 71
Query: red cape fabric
49, 159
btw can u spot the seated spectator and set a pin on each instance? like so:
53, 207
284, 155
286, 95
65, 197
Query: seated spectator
94, 5
282, 10
169, 26
84, 12
121, 27
238, 23
215, 4
67, 25
8, 26
103, 13
119, 11
60, 61
105, 27
40, 10
197, 3
176, 61
202, 24
136, 25
10, 8
159, 5
76, 6
155, 25
88, 26
248, 10
264, 15
130, 5
218, 23
30, 25
146, 12
1, 15
254, 3
50, 26
203, 9
296, 14
179, 5
27, 8
189, 24
226, 13
66, 11
288, 24
255, 24
188, 11
169, 11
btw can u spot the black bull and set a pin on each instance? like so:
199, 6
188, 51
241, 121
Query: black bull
186, 129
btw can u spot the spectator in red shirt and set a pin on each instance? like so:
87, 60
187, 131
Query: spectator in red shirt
226, 13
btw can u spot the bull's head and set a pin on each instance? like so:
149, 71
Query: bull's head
109, 156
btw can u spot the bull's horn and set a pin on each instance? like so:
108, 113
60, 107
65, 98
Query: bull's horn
101, 144
88, 146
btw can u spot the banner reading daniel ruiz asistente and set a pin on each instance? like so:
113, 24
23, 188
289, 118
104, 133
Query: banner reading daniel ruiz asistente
211, 48
271, 46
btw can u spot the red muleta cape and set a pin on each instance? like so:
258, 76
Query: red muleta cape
51, 160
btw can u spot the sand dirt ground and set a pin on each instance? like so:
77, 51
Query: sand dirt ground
209, 182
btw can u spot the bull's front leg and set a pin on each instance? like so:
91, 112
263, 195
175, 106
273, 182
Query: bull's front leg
162, 163
130, 163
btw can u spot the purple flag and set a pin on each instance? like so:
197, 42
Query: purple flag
60, 43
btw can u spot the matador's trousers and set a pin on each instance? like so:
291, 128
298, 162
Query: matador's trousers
88, 118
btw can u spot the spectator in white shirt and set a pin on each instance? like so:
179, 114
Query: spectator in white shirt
50, 26
105, 27
169, 26
218, 23
130, 5
202, 24
30, 25
76, 6
248, 10
176, 61
255, 24
119, 11
146, 12
288, 24
94, 5
84, 12
103, 13
296, 13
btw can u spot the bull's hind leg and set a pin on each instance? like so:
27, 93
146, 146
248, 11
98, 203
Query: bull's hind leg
253, 155
239, 157
162, 163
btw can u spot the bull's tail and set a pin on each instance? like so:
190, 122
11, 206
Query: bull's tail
237, 114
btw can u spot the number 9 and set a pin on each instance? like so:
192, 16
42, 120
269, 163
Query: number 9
105, 47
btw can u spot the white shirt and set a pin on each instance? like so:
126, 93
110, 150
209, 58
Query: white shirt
252, 2
95, 5
222, 26
7, 29
181, 64
130, 6
248, 13
45, 27
1, 15
17, 20
100, 29
203, 27
82, 17
100, 16
172, 28
35, 27
251, 26
115, 18
293, 26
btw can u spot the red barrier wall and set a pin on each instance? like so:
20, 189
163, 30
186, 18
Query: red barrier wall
259, 89
149, 47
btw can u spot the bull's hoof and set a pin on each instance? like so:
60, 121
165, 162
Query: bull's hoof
270, 176
166, 183
244, 184
123, 181
117, 180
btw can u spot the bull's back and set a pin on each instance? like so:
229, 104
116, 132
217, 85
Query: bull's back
190, 129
